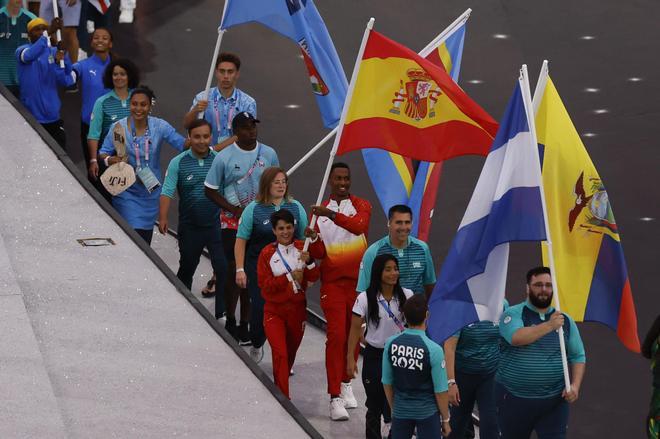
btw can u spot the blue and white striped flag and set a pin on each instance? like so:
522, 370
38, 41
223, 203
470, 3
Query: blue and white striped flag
505, 206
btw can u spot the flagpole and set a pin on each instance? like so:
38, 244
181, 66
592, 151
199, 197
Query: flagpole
312, 151
439, 39
56, 14
527, 99
442, 36
340, 126
540, 87
214, 58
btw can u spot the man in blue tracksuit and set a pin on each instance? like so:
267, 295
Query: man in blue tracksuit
414, 378
39, 74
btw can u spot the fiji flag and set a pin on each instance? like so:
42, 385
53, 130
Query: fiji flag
299, 20
505, 206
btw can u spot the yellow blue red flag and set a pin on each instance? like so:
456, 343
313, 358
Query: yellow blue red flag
589, 264
393, 107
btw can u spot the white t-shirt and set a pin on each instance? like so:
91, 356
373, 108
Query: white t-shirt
377, 336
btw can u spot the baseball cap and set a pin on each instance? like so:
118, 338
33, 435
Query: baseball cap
242, 118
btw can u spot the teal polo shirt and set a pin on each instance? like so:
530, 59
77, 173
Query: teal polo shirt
185, 175
478, 347
414, 366
415, 264
535, 370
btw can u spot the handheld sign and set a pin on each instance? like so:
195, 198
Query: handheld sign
120, 176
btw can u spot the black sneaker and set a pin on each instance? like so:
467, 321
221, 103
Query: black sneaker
230, 326
244, 335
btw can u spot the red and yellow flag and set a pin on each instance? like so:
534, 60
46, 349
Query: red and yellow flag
394, 103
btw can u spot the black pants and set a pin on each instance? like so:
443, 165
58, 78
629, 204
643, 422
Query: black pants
15, 90
146, 234
56, 131
192, 241
372, 369
257, 333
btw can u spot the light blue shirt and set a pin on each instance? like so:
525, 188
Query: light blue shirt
221, 111
139, 207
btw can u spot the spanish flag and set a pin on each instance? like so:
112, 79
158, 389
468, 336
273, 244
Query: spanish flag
589, 264
394, 102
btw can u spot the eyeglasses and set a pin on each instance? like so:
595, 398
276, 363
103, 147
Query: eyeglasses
541, 285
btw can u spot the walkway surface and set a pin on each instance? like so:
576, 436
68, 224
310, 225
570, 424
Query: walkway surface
96, 341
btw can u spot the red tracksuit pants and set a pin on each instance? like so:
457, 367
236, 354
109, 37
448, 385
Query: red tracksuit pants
284, 325
337, 300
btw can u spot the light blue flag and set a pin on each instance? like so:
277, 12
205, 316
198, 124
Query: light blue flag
300, 21
505, 207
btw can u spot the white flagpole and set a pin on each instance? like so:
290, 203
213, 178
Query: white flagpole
349, 95
529, 109
442, 36
56, 14
312, 151
214, 58
540, 87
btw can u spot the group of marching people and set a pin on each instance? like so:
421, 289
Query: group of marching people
235, 201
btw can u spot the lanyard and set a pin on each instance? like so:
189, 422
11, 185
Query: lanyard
230, 115
136, 144
252, 168
397, 322
296, 285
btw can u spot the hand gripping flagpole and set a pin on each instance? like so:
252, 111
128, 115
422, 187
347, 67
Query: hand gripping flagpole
442, 36
347, 101
56, 14
529, 109
214, 58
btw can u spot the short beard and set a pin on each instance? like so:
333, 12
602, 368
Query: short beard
539, 303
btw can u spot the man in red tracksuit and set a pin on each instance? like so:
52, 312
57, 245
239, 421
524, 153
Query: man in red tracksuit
342, 227
283, 272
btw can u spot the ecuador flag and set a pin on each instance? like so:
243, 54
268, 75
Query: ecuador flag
393, 105
589, 263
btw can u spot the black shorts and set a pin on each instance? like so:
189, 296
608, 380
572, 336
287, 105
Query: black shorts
228, 241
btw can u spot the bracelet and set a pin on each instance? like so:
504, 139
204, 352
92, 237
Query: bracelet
446, 420
451, 382
105, 160
240, 270
93, 161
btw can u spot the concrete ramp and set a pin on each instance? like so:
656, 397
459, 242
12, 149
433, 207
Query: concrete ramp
99, 341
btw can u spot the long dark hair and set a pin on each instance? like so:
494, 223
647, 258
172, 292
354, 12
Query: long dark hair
377, 269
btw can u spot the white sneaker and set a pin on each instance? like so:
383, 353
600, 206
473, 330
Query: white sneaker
385, 429
126, 16
347, 395
257, 354
337, 410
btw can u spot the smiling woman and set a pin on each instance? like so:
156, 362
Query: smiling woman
143, 137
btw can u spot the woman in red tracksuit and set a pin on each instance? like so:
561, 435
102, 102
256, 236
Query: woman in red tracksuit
284, 272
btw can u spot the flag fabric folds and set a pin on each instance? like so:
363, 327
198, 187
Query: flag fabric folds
101, 5
300, 21
392, 175
505, 206
393, 107
590, 267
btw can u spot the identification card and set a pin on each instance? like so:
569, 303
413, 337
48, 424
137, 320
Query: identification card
147, 178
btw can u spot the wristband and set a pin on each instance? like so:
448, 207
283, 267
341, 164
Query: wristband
446, 420
240, 270
451, 382
93, 161
105, 160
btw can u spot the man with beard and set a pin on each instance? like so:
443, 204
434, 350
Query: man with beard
529, 389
